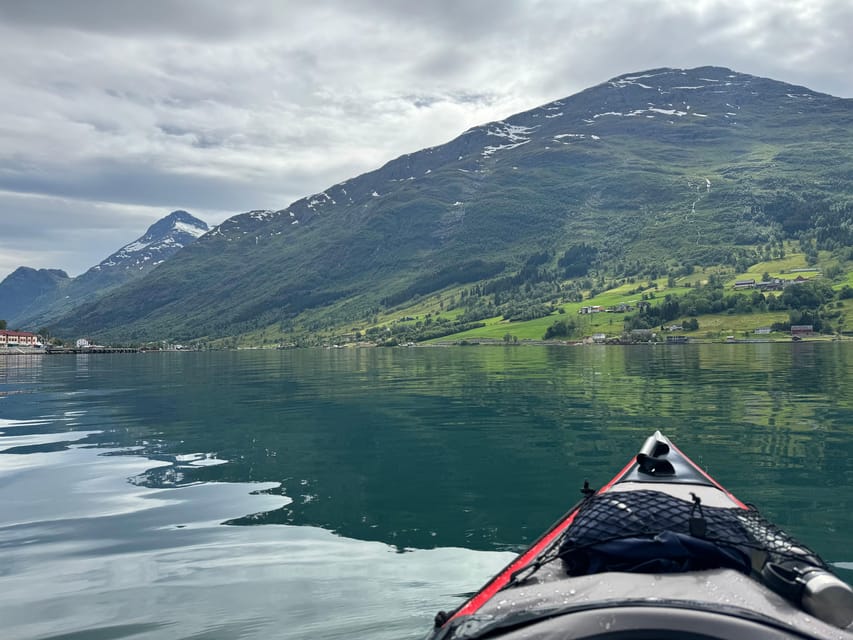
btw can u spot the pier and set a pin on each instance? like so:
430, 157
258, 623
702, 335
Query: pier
83, 350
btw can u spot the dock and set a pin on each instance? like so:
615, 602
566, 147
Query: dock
84, 350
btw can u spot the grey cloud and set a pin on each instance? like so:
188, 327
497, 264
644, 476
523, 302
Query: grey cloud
470, 19
128, 182
188, 17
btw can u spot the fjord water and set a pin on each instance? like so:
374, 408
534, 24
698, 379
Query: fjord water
352, 493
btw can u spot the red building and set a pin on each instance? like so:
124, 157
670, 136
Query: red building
802, 330
18, 339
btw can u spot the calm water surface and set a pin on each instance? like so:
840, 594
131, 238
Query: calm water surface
353, 493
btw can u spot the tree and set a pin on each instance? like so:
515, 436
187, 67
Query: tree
2, 325
577, 260
807, 295
560, 329
832, 271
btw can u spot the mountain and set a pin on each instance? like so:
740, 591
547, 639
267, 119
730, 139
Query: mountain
160, 242
23, 287
34, 298
648, 173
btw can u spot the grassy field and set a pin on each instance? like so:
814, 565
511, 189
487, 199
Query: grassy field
739, 325
776, 268
610, 324
711, 326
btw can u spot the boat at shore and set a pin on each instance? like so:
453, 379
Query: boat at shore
661, 551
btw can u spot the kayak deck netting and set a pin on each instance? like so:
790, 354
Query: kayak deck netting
647, 514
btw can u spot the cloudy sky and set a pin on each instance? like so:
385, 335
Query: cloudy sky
115, 112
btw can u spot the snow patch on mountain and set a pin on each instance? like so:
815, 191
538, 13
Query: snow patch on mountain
133, 247
320, 199
648, 112
261, 214
515, 134
625, 82
512, 132
489, 150
561, 137
668, 112
191, 229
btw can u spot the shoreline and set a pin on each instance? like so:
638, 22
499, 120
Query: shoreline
467, 342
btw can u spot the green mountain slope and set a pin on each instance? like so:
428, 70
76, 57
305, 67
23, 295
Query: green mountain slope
645, 174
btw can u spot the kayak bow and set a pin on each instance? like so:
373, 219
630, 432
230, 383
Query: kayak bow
662, 550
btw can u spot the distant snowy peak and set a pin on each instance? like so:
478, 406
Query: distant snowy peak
162, 239
176, 222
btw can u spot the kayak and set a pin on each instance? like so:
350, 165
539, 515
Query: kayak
660, 551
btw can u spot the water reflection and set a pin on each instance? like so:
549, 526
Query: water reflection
430, 449
86, 553
444, 447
